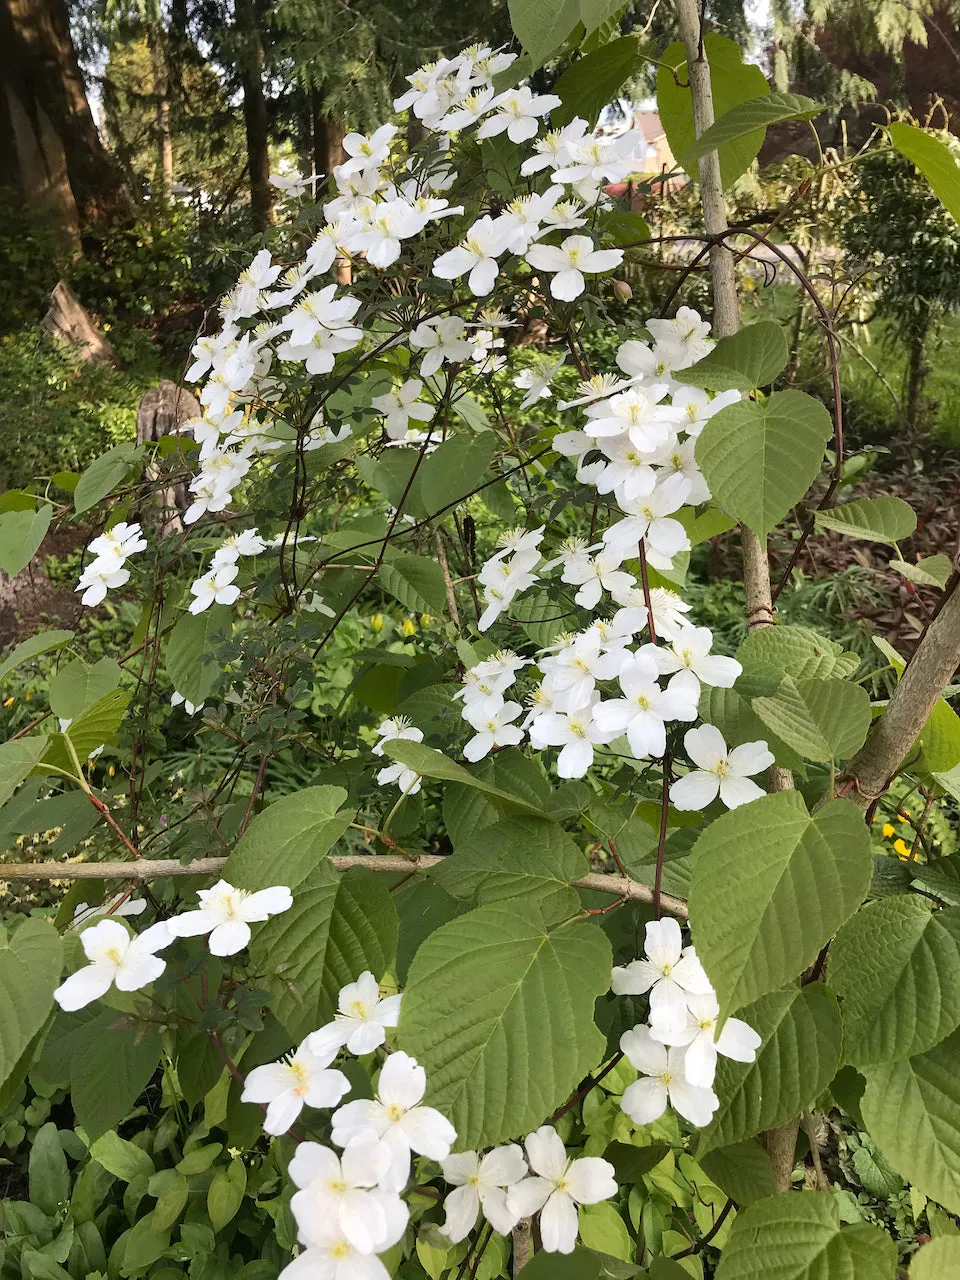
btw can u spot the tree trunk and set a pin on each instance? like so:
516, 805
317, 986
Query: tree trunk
328, 152
917, 370
254, 110
159, 67
57, 158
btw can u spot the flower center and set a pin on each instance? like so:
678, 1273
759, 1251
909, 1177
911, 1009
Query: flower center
337, 1185
394, 1111
359, 1010
113, 955
473, 1180
642, 702
340, 1250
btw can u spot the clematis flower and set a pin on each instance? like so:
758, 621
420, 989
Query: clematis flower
517, 112
476, 254
227, 913
361, 1021
690, 651
302, 1079
699, 1038
402, 404
441, 339
570, 261
559, 1184
333, 1257
662, 1081
481, 1186
493, 725
342, 1191
117, 958
645, 709
721, 772
397, 1117
215, 587
670, 972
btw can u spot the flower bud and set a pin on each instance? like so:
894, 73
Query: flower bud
408, 627
622, 291
426, 619
376, 622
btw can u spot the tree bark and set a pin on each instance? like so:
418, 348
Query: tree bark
160, 71
60, 161
250, 44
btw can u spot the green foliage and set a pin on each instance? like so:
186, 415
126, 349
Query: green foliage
935, 160
874, 519
299, 830
746, 360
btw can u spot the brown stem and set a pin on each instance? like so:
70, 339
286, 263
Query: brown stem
781, 1145
104, 810
522, 1237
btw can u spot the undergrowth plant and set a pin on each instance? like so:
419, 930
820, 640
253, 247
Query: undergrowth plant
521, 932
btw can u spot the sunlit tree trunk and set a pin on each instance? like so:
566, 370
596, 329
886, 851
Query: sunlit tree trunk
159, 67
250, 44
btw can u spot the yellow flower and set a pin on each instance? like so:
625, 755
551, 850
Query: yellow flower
902, 848
425, 619
111, 771
376, 622
408, 627
9, 702
888, 830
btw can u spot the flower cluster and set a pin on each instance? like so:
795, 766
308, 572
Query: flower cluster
676, 1052
110, 550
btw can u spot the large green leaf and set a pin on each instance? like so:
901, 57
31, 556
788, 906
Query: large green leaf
193, 638
748, 118
941, 878
30, 964
582, 1264
912, 1112
289, 839
738, 722
104, 474
78, 685
337, 927
771, 885
110, 1066
18, 758
799, 1237
822, 719
895, 965
745, 360
797, 651
799, 1057
934, 159
433, 764
760, 459
43, 642
21, 533
416, 582
542, 26
96, 727
589, 84
743, 1171
499, 1010
937, 1260
455, 469
732, 80
885, 519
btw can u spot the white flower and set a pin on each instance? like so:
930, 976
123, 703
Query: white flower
302, 1079
118, 905
553, 149
226, 914
380, 238
662, 1081
113, 547
116, 958
595, 161
577, 732
493, 726
366, 151
668, 610
402, 404
679, 458
332, 1257
636, 413
246, 543
178, 700
536, 380
649, 518
477, 253
215, 587
686, 337
645, 708
291, 184
559, 1185
517, 113
407, 780
690, 651
737, 1040
361, 1021
397, 1117
594, 576
723, 772
342, 1191
97, 579
442, 339
521, 220
671, 973
569, 261
481, 1184
698, 408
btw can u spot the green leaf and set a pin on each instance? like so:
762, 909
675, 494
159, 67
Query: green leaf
931, 571
109, 1069
799, 1237
139, 1248
285, 842
732, 80
542, 26
40, 1266
30, 965
49, 1177
594, 13
104, 474
76, 686
43, 642
937, 1260
883, 519
802, 1035
172, 1192
603, 1230
491, 993
623, 227
21, 533
516, 856
632, 1163
747, 119
392, 474
934, 159
17, 759
590, 83
822, 719
771, 885
433, 764
455, 469
582, 1264
743, 1171
97, 726
797, 651
416, 582
895, 965
125, 1160
912, 1112
760, 459
337, 927
940, 736
195, 636
745, 360
941, 878
226, 1194
707, 525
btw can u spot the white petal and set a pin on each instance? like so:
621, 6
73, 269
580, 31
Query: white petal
694, 790
739, 1041
388, 1011
528, 1196
365, 1037
634, 979
546, 1152
700, 1061
462, 1207
567, 285
668, 1005
695, 1105
503, 1166
362, 1220
663, 941
645, 1100
704, 745
559, 1224
282, 1112
227, 939
138, 971
326, 1089
266, 903
428, 1132
643, 1052
265, 1083
496, 1209
737, 791
718, 671
402, 1081
83, 987
327, 1042
190, 924
750, 758
591, 1180
311, 1160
